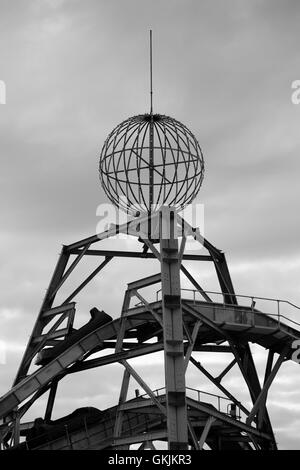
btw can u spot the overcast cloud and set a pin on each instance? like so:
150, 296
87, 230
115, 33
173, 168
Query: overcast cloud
73, 71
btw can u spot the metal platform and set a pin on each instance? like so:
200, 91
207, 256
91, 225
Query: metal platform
143, 421
218, 323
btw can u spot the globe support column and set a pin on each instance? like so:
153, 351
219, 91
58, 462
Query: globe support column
177, 425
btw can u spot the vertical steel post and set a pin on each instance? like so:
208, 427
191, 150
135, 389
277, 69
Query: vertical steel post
177, 423
122, 399
51, 399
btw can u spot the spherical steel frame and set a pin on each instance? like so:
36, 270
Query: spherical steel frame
174, 149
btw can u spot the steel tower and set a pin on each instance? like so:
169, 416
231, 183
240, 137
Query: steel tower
179, 325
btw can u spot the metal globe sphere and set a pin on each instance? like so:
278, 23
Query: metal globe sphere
151, 160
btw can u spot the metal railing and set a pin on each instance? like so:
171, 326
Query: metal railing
274, 306
221, 403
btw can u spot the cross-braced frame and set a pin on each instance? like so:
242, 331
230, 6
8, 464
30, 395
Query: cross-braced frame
180, 327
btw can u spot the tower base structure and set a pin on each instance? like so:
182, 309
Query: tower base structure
181, 323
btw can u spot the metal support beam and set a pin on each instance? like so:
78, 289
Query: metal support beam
135, 254
224, 279
212, 348
51, 398
152, 248
205, 432
269, 364
260, 401
173, 333
220, 387
16, 432
122, 399
121, 332
24, 408
145, 282
69, 271
195, 284
219, 261
126, 228
191, 345
193, 435
40, 322
144, 386
41, 340
211, 411
116, 357
182, 247
155, 315
225, 371
247, 367
87, 280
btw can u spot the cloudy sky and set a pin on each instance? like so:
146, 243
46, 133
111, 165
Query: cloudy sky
75, 69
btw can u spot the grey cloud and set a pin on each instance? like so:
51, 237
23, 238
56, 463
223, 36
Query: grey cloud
73, 71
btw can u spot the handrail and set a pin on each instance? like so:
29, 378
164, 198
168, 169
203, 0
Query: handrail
199, 393
69, 432
237, 295
250, 297
255, 297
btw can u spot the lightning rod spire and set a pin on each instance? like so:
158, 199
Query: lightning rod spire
151, 89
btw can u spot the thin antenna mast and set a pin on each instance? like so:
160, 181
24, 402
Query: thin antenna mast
151, 89
151, 156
